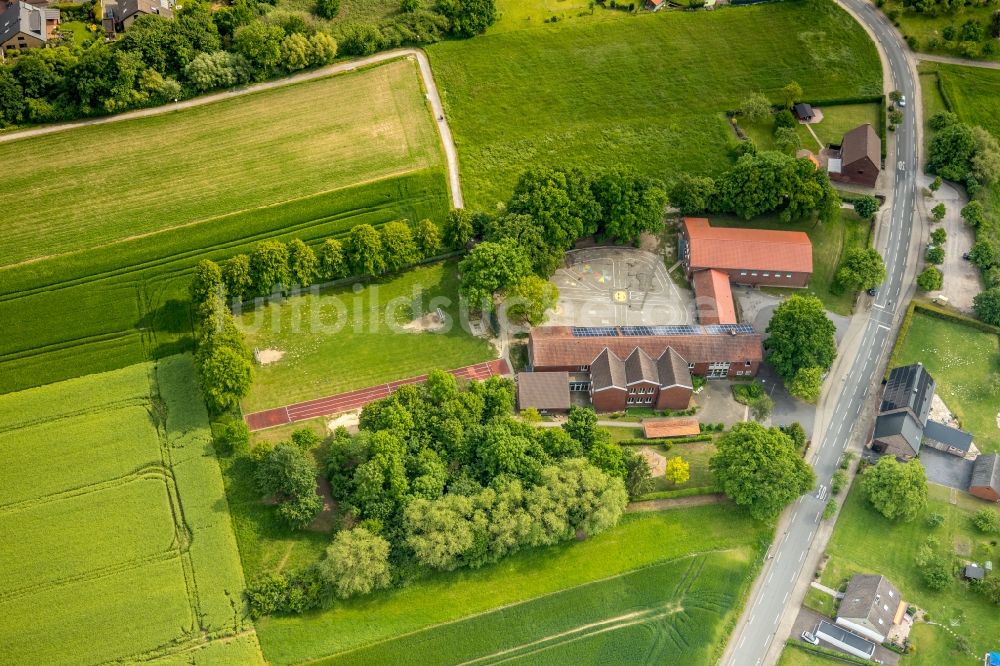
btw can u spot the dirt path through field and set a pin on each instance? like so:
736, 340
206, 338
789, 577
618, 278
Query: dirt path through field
423, 64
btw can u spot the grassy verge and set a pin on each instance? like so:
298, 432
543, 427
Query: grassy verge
639, 541
865, 542
964, 362
830, 242
645, 90
819, 601
343, 339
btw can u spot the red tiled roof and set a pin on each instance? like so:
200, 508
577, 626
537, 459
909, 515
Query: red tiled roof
680, 426
555, 346
747, 249
714, 297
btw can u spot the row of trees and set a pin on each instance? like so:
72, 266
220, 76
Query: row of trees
759, 183
439, 478
203, 48
273, 265
223, 361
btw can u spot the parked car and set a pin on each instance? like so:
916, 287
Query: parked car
902, 102
809, 638
966, 256
873, 291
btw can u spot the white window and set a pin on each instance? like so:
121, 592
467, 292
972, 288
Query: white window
743, 272
631, 400
690, 366
788, 275
739, 373
767, 275
754, 274
584, 368
649, 401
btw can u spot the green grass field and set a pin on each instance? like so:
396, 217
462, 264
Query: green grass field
553, 589
106, 183
837, 120
795, 656
830, 242
646, 90
927, 26
114, 516
341, 340
962, 361
865, 542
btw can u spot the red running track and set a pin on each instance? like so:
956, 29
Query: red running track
345, 402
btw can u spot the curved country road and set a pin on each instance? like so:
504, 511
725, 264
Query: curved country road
451, 156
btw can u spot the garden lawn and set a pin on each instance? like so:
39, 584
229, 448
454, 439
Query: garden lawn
840, 119
340, 340
104, 183
964, 362
638, 541
623, 432
865, 542
646, 90
794, 656
130, 529
830, 242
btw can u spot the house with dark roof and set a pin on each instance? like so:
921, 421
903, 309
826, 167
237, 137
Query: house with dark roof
871, 607
26, 26
118, 15
945, 438
858, 159
804, 111
548, 392
973, 572
986, 478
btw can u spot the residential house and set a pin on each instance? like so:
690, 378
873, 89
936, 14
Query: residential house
548, 392
871, 607
655, 5
804, 112
118, 15
858, 159
986, 478
845, 640
26, 26
945, 438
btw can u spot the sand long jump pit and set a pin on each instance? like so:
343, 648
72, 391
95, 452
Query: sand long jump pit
618, 286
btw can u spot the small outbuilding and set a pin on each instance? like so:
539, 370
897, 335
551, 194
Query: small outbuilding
945, 438
973, 572
986, 478
845, 640
548, 392
858, 160
804, 112
678, 426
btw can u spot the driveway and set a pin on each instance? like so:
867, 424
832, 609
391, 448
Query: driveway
945, 469
807, 620
961, 277
758, 307
787, 409
716, 404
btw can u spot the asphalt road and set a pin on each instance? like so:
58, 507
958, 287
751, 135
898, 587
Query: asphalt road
756, 639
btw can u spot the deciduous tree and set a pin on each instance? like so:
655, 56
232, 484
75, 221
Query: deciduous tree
866, 206
398, 247
332, 264
364, 250
896, 490
862, 268
207, 280
801, 336
560, 200
987, 306
269, 266
302, 263
754, 108
930, 279
529, 299
237, 276
458, 229
490, 268
807, 384
630, 203
678, 471
357, 562
427, 237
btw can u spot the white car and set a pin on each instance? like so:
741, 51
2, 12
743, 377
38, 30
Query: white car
808, 637
902, 102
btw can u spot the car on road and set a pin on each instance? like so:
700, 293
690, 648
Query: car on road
902, 102
808, 637
872, 291
966, 256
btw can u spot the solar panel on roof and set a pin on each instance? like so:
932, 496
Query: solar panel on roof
724, 329
594, 331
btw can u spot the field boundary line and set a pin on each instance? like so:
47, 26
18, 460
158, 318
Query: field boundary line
151, 471
512, 604
110, 406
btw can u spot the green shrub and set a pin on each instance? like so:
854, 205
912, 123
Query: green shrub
236, 437
987, 521
839, 482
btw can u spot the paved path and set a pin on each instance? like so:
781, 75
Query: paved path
801, 535
951, 60
676, 502
451, 155
345, 402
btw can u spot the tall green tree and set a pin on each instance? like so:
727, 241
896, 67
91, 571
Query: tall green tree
269, 266
987, 306
630, 203
560, 200
490, 268
692, 194
800, 336
930, 279
207, 280
458, 229
807, 384
759, 468
364, 250
866, 206
862, 268
529, 236
529, 299
469, 17
357, 562
237, 276
332, 264
302, 263
398, 246
897, 490
427, 236
289, 474
260, 44
791, 93
755, 108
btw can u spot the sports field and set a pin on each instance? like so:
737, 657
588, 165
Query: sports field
111, 306
118, 542
90, 186
661, 587
354, 337
646, 90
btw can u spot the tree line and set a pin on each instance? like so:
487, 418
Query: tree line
203, 48
438, 478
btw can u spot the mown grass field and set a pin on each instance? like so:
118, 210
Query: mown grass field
865, 542
962, 361
430, 605
344, 339
122, 549
927, 26
830, 242
106, 183
645, 90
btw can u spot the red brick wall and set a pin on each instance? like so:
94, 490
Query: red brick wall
676, 397
609, 400
798, 280
861, 172
985, 492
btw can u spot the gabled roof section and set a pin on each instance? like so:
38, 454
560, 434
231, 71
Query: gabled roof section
899, 426
747, 249
953, 437
607, 371
22, 17
986, 472
909, 387
872, 598
714, 297
673, 370
860, 143
640, 367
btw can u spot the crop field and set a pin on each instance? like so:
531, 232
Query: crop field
964, 362
865, 542
345, 339
645, 90
666, 613
106, 183
651, 564
114, 516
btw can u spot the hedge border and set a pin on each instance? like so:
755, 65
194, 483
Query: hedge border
880, 100
937, 312
825, 652
683, 492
